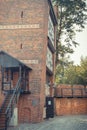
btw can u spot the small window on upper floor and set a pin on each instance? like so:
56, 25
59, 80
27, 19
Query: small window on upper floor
22, 14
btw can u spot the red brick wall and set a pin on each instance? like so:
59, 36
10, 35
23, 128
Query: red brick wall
65, 90
29, 108
27, 44
2, 97
70, 106
15, 78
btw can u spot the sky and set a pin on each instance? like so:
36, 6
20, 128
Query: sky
81, 50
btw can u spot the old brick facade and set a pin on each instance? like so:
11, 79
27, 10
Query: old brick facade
24, 35
70, 100
70, 106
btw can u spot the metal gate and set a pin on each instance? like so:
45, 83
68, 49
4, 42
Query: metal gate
49, 107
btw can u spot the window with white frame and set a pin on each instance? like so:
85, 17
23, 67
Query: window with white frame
49, 59
51, 30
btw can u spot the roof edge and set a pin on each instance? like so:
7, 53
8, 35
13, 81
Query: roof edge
21, 63
52, 10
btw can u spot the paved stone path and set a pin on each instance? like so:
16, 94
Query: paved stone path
58, 123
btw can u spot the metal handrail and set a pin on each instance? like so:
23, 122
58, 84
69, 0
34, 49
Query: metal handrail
10, 107
14, 93
12, 102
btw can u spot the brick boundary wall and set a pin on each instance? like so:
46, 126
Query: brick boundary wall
70, 106
65, 105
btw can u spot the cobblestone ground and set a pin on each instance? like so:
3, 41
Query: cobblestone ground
57, 123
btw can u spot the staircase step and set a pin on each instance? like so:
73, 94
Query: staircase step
2, 122
5, 107
2, 125
1, 119
2, 113
2, 116
2, 128
7, 101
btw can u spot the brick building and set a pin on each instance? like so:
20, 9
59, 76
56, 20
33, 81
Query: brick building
27, 38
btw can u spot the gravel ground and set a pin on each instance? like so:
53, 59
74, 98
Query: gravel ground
57, 123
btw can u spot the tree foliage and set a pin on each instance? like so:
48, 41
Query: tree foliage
72, 74
71, 18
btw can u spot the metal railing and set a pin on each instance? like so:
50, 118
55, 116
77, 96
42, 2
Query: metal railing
11, 104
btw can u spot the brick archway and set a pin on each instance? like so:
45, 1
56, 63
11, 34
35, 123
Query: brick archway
26, 115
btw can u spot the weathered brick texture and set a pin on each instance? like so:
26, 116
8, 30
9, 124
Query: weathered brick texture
27, 44
29, 108
69, 90
70, 106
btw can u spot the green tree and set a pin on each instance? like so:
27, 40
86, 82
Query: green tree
71, 18
84, 70
72, 74
61, 68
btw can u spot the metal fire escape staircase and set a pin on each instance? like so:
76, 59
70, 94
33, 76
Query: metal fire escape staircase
9, 65
8, 105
